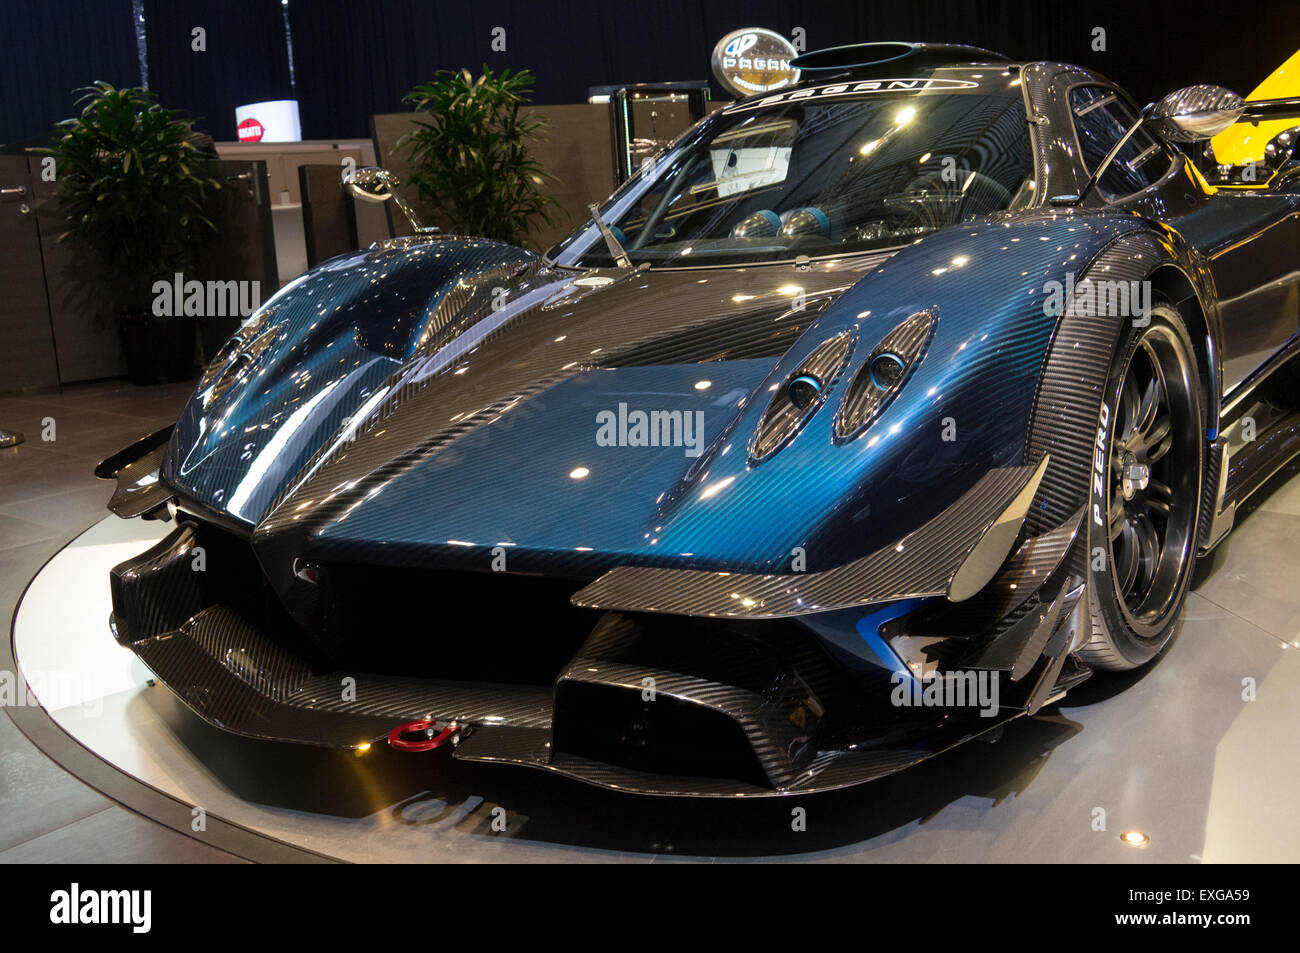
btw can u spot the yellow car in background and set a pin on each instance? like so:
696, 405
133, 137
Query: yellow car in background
1261, 141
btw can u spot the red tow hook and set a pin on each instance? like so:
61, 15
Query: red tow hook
427, 736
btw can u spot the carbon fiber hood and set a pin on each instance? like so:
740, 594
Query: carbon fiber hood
467, 325
470, 418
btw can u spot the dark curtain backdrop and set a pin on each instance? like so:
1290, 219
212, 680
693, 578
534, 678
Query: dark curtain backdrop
357, 57
51, 47
245, 61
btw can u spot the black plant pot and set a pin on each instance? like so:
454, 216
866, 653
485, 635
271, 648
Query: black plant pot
158, 350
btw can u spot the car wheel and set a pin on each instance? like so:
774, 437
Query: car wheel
1145, 494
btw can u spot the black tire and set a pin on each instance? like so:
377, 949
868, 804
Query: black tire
1144, 502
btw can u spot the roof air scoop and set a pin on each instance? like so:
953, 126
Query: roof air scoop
862, 55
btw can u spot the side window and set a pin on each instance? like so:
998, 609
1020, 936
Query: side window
1101, 118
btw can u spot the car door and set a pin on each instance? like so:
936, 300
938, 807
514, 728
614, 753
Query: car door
1252, 242
1250, 238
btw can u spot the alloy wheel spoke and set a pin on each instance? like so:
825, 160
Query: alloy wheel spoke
1158, 448
1150, 405
1126, 424
1148, 544
1118, 517
1127, 558
1156, 430
1159, 496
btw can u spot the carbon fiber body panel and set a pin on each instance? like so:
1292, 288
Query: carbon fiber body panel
920, 564
786, 716
239, 680
808, 727
531, 749
134, 470
236, 677
159, 590
1069, 396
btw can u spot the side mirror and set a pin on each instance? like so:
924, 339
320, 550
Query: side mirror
1195, 113
374, 184
1185, 115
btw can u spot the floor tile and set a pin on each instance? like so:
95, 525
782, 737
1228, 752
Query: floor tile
20, 532
32, 471
17, 566
1284, 499
65, 512
1254, 573
36, 795
47, 493
114, 836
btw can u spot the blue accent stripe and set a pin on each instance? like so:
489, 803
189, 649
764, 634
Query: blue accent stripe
869, 628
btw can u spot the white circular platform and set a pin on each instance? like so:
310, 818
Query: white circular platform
1176, 752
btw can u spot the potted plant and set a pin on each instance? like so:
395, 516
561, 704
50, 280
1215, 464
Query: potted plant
469, 153
132, 180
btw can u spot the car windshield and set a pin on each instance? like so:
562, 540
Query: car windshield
820, 173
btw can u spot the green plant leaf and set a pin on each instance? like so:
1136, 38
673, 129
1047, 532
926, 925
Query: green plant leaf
469, 155
131, 182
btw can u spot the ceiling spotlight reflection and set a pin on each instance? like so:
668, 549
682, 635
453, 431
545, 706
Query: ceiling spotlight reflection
1135, 838
716, 488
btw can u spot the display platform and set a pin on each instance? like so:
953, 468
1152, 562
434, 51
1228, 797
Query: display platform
1176, 752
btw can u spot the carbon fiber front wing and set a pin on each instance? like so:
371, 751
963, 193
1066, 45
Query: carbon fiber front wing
650, 703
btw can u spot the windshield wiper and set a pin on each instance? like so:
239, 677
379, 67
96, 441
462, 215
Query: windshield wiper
615, 249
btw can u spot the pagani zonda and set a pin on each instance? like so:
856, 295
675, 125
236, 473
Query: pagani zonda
874, 412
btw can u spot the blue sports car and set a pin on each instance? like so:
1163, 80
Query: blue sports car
872, 413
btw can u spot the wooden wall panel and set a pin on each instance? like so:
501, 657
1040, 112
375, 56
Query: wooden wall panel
82, 309
26, 341
576, 150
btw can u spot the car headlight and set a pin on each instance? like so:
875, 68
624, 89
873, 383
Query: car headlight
798, 396
883, 374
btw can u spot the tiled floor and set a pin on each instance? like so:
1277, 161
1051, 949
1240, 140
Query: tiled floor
47, 494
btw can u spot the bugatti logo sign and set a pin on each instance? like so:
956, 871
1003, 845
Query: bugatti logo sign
754, 60
250, 130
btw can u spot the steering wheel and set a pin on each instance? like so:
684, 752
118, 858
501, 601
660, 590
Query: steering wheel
926, 198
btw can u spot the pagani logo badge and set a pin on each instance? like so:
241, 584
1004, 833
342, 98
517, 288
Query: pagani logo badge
864, 88
753, 61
